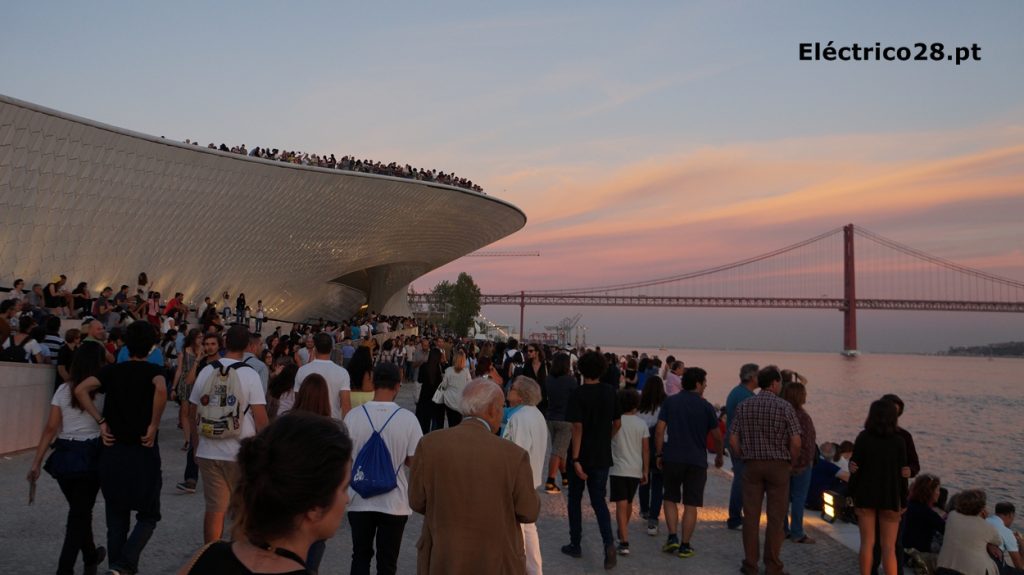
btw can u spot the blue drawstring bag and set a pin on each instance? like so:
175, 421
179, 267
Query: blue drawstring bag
372, 473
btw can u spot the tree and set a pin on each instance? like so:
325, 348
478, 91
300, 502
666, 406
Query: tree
461, 301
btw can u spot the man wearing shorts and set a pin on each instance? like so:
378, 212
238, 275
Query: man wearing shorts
217, 458
688, 418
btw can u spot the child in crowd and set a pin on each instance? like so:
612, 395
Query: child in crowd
630, 463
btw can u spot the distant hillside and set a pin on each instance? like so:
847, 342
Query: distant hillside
1005, 349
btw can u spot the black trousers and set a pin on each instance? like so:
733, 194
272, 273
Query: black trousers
430, 416
387, 530
81, 495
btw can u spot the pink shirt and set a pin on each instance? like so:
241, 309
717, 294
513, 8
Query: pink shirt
673, 384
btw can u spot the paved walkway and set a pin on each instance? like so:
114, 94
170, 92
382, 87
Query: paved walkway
32, 535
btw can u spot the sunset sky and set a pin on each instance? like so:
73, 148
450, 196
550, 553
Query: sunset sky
641, 139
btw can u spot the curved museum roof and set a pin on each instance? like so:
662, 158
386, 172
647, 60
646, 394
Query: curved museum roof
101, 204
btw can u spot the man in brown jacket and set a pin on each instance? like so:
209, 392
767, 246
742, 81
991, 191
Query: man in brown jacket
474, 490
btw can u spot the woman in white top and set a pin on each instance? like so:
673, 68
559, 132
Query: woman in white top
455, 380
964, 545
527, 428
73, 462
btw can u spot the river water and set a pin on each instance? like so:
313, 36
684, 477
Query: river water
966, 414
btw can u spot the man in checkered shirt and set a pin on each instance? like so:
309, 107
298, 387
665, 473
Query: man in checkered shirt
765, 433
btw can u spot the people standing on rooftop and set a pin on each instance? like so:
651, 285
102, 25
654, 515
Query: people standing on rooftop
765, 432
594, 413
743, 391
134, 398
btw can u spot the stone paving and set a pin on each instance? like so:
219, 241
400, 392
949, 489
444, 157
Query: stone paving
32, 535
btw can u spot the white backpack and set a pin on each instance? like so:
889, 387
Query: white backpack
220, 405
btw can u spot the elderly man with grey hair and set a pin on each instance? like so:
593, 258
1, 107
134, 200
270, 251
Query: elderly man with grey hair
527, 428
474, 490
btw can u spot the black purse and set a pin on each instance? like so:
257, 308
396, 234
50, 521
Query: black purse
71, 459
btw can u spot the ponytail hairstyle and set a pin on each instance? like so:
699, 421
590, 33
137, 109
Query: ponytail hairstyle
294, 465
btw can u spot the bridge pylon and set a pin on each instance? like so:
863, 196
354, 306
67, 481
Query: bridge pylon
849, 294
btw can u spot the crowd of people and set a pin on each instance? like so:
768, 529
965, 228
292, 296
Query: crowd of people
289, 433
349, 163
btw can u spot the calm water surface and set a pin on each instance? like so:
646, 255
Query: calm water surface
966, 414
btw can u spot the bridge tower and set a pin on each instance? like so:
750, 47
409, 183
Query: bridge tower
849, 294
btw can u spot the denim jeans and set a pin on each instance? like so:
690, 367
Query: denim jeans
81, 495
130, 479
736, 493
651, 495
386, 530
597, 486
798, 486
191, 467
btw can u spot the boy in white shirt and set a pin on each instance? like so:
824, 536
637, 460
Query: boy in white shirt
630, 463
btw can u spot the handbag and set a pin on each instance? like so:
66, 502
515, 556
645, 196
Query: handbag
72, 459
439, 393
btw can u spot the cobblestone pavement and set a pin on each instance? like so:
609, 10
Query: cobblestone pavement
32, 535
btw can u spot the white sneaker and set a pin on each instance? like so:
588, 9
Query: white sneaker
652, 529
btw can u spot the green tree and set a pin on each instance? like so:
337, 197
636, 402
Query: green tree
459, 300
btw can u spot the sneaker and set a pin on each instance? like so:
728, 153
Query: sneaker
685, 551
565, 482
572, 551
623, 547
672, 545
643, 515
187, 486
551, 488
609, 557
652, 528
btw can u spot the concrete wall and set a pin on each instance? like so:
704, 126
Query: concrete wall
25, 390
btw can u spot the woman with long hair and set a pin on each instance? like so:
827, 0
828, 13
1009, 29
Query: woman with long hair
313, 396
455, 380
430, 414
651, 495
800, 479
360, 372
281, 388
560, 385
292, 493
877, 485
536, 368
629, 377
74, 460
185, 376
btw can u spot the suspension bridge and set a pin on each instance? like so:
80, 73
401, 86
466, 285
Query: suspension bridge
846, 269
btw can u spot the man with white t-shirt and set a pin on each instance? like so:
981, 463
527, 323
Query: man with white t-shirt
1005, 513
382, 517
217, 458
339, 387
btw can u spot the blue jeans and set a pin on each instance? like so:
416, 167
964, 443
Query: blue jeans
651, 495
130, 479
597, 485
191, 467
798, 486
736, 493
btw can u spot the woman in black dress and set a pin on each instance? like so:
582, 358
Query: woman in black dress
877, 485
